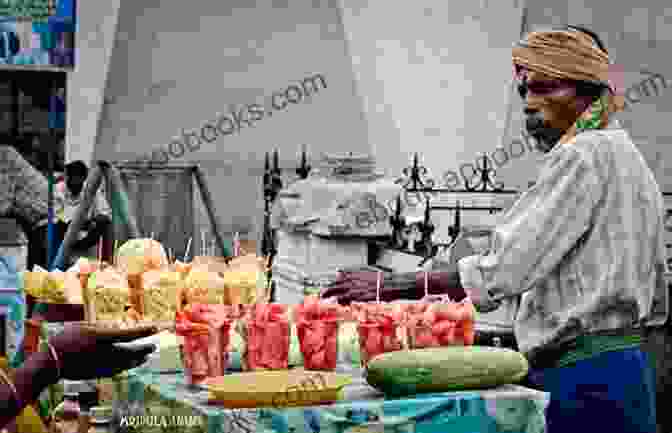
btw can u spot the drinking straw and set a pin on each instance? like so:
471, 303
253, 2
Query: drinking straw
203, 242
100, 253
378, 287
114, 252
151, 236
236, 244
186, 252
426, 284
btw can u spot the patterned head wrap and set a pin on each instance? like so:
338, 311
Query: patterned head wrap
570, 55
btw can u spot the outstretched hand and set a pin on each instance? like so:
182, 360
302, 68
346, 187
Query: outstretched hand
472, 279
484, 304
84, 355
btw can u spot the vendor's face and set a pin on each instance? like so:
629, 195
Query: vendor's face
551, 108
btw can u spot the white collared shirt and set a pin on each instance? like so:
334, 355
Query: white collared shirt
67, 203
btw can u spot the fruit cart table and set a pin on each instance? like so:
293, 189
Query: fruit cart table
510, 409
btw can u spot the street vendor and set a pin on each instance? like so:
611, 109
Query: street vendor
582, 250
69, 196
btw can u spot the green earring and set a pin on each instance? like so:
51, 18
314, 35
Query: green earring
597, 109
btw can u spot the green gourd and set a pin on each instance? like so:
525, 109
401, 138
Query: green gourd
445, 369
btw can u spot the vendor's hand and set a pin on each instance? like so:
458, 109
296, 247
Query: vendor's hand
484, 304
474, 284
84, 356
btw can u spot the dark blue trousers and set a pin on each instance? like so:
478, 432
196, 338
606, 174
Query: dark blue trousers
613, 392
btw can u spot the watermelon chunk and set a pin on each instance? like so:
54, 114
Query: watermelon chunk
317, 323
206, 333
266, 335
424, 338
378, 325
375, 340
318, 341
450, 312
442, 324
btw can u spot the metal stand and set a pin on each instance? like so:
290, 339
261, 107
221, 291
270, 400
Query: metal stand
103, 170
304, 169
113, 178
272, 185
398, 224
271, 188
487, 176
415, 178
427, 229
210, 209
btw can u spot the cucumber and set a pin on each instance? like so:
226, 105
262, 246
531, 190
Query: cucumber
445, 369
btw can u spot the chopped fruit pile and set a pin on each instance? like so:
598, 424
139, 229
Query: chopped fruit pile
317, 324
266, 332
442, 324
207, 336
378, 328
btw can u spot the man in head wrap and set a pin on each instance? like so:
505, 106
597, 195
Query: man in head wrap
582, 250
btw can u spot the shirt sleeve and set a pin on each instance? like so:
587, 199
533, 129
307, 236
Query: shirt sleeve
543, 226
31, 190
102, 207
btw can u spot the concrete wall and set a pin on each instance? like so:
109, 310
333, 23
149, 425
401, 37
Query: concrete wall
97, 22
639, 37
434, 77
179, 64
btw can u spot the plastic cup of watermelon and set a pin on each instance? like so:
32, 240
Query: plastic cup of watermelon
424, 335
376, 339
206, 353
318, 340
222, 342
195, 357
266, 345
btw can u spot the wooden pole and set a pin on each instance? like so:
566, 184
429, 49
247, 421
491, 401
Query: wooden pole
118, 191
209, 208
89, 194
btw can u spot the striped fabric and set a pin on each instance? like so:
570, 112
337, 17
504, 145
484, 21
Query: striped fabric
584, 246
